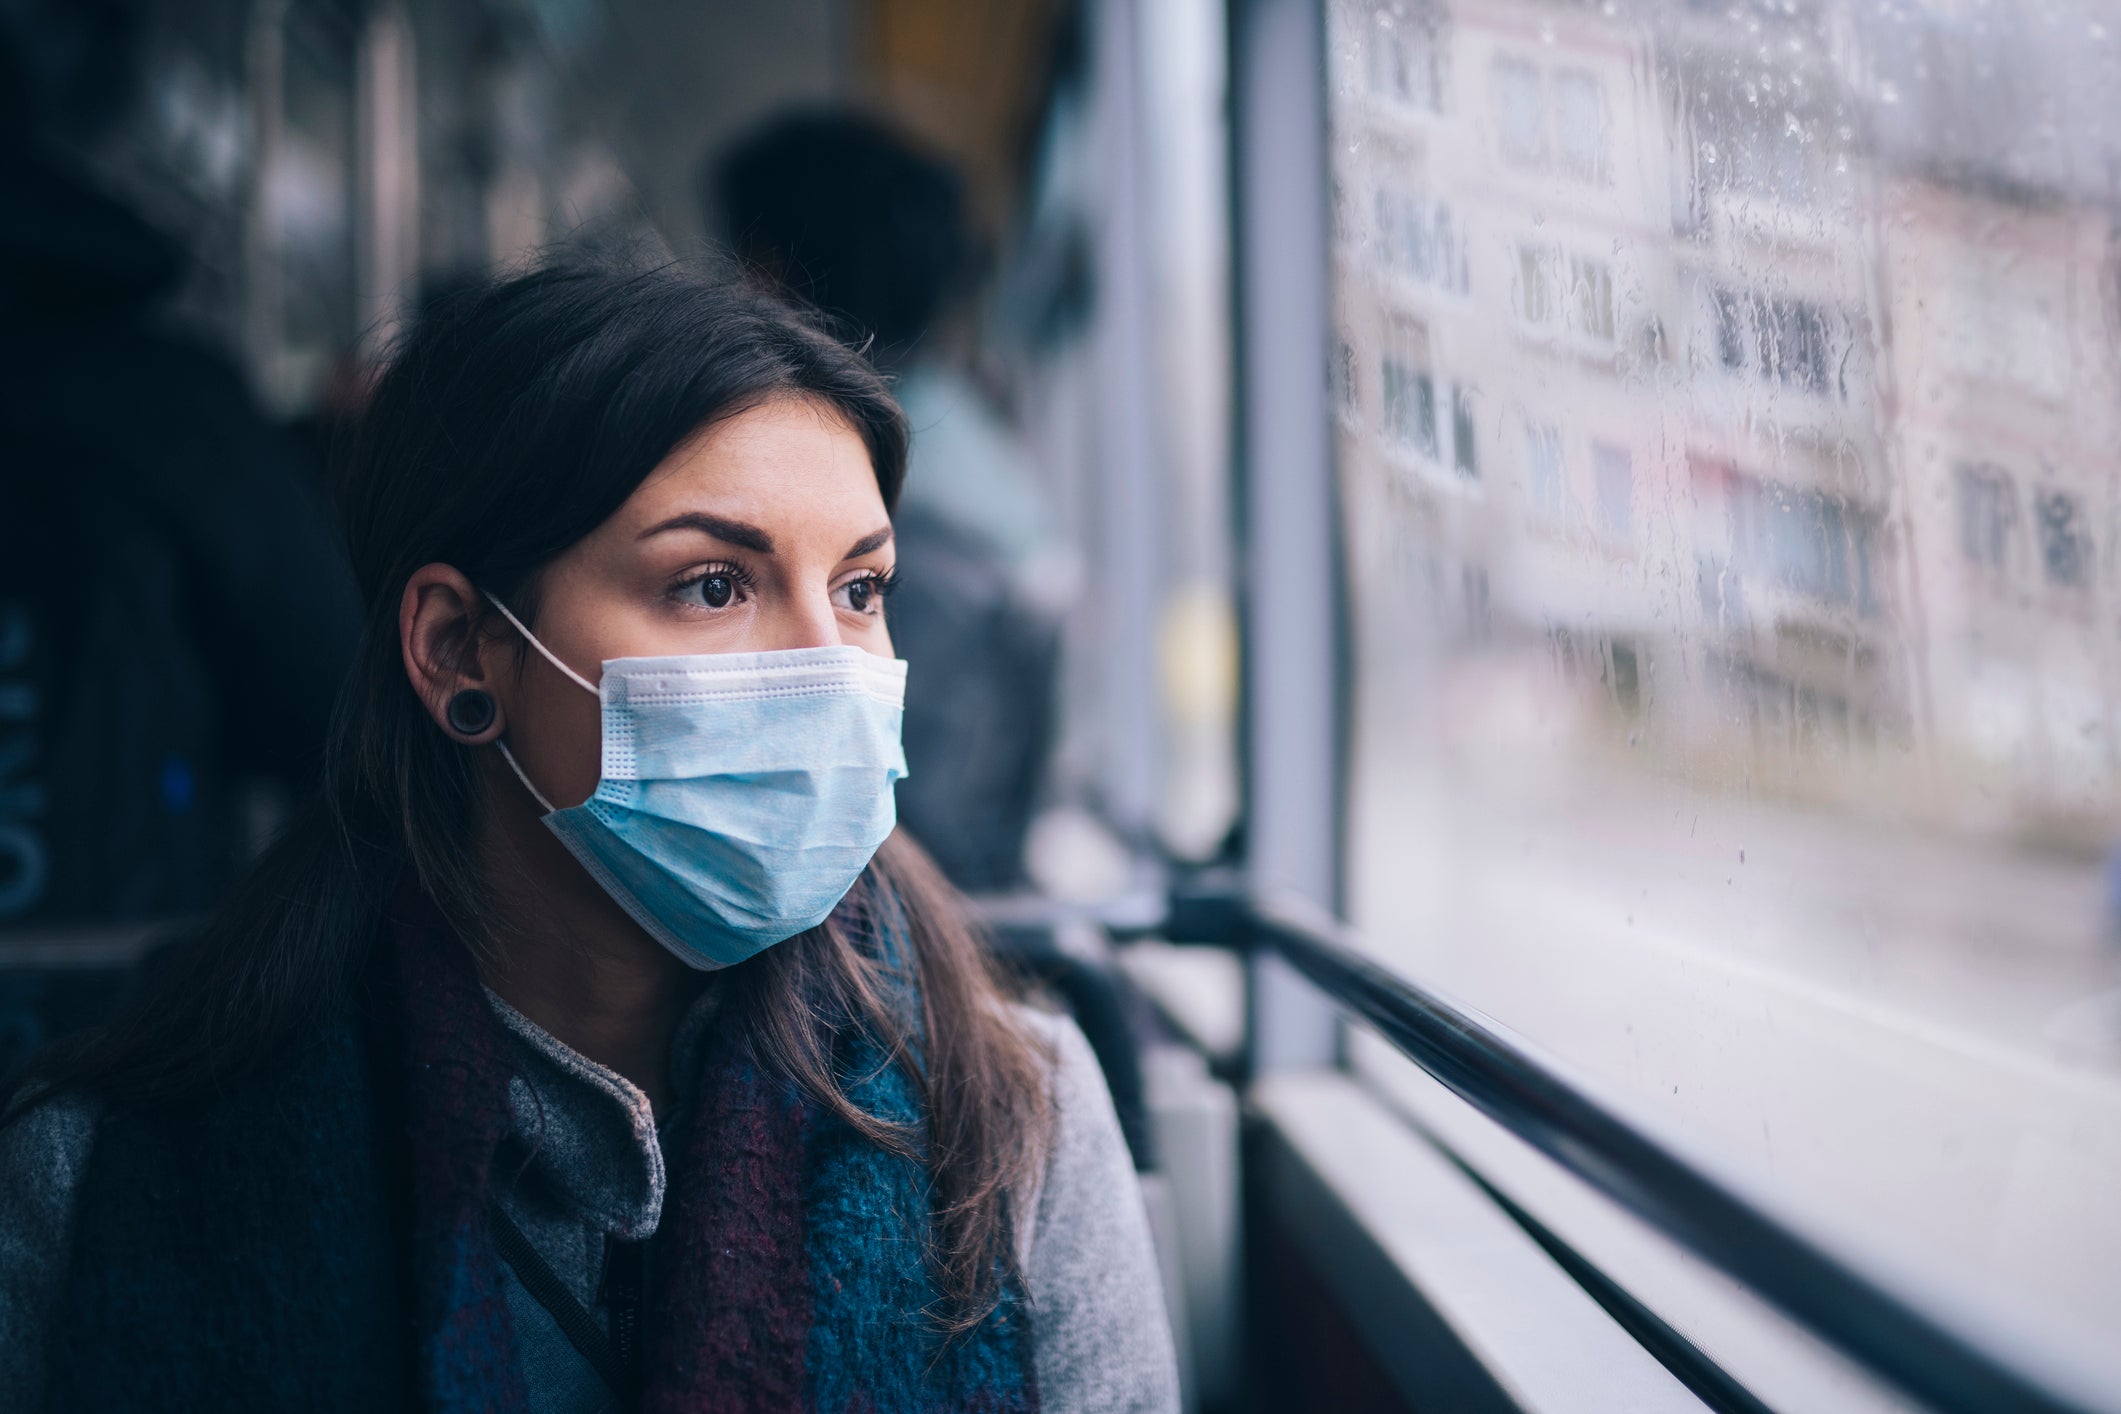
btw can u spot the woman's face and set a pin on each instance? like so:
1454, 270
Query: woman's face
765, 532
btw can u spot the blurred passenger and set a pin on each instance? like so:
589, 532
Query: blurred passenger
852, 216
591, 1040
175, 611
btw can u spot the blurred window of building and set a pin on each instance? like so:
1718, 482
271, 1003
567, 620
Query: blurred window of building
1406, 62
1410, 406
1805, 542
1579, 124
1565, 294
1988, 516
1536, 304
1547, 474
1777, 338
1794, 345
1422, 240
1614, 472
1591, 285
1731, 327
2065, 549
1409, 390
1551, 119
1520, 113
1346, 382
1465, 452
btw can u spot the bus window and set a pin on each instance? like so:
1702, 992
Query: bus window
1741, 721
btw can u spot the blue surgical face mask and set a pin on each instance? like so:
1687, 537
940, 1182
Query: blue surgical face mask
742, 794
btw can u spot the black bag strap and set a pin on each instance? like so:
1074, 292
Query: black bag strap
576, 1321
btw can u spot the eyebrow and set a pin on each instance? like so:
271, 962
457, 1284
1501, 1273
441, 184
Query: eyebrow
874, 540
736, 532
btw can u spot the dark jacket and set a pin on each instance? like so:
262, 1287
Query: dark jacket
979, 703
175, 609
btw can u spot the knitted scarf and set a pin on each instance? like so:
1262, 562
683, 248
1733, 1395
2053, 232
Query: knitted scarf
789, 1275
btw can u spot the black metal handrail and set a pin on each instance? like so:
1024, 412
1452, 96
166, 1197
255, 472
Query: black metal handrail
1946, 1368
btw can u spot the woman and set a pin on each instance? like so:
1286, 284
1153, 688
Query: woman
592, 1042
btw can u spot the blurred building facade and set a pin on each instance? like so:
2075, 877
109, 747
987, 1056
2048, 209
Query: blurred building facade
1791, 446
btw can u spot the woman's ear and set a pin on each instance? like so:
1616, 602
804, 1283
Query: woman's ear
438, 631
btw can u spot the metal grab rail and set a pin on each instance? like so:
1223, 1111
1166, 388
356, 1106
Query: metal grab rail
1497, 1075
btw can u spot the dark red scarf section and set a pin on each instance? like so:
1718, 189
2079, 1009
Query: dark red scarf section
736, 1344
791, 1272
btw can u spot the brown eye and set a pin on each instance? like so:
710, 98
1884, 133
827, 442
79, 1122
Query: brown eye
716, 589
865, 595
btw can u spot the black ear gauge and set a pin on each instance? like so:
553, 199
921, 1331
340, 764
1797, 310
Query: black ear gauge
471, 711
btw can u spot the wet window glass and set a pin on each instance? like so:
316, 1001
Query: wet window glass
1728, 400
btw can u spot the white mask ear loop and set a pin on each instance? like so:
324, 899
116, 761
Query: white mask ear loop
550, 657
532, 640
510, 758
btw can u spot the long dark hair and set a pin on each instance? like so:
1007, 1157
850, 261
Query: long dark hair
514, 421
